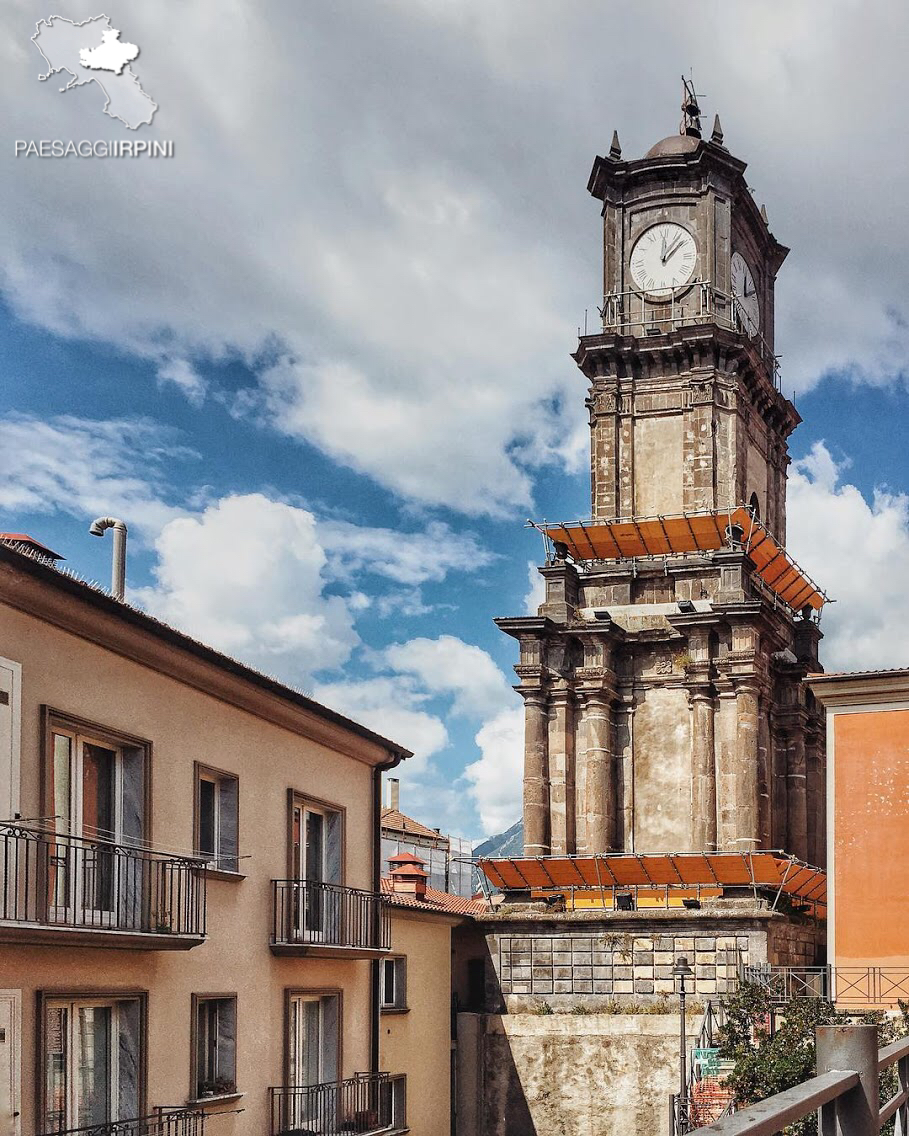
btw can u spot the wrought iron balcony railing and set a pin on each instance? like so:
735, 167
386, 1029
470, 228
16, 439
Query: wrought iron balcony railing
366, 1103
164, 1122
54, 882
327, 919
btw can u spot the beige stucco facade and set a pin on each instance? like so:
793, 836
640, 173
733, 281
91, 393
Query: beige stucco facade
92, 661
416, 1040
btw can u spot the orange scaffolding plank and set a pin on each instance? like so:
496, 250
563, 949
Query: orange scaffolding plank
689, 533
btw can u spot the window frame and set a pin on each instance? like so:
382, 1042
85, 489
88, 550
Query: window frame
54, 721
296, 799
291, 992
86, 995
203, 772
196, 1002
399, 965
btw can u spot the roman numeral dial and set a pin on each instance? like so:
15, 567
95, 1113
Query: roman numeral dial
747, 306
663, 259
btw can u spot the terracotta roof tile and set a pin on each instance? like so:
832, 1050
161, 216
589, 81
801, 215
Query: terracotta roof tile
437, 901
398, 822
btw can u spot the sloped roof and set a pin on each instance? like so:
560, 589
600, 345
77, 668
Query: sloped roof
399, 822
22, 560
439, 902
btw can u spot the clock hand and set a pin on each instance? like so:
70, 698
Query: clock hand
675, 244
663, 249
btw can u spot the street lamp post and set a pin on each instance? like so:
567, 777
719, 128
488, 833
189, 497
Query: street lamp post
680, 972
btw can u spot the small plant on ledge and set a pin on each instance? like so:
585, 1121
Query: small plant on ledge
164, 923
223, 1086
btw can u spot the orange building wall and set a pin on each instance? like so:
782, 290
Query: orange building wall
870, 768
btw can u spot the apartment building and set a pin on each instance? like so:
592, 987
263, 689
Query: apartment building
191, 924
437, 963
867, 797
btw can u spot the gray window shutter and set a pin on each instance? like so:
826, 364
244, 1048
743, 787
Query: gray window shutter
133, 794
333, 848
129, 1057
228, 805
129, 882
330, 1027
227, 1039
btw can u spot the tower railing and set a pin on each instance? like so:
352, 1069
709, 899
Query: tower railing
632, 312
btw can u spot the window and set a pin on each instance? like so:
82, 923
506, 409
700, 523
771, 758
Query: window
217, 818
316, 861
93, 1060
313, 1023
393, 986
476, 984
95, 796
95, 782
215, 1045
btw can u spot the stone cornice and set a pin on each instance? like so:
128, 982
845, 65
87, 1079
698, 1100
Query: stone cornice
860, 689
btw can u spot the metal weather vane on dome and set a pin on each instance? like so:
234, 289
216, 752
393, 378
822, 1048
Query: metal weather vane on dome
691, 111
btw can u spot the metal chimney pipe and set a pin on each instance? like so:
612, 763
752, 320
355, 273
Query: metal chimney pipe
394, 793
98, 527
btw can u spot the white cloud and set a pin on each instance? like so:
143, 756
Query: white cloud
85, 467
496, 780
859, 553
536, 589
391, 707
247, 576
406, 557
449, 666
185, 377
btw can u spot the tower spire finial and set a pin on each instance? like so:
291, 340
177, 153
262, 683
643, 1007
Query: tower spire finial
691, 112
615, 150
717, 136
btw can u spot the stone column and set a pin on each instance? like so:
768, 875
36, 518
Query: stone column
703, 770
765, 780
624, 769
747, 827
797, 795
600, 795
779, 746
536, 775
561, 773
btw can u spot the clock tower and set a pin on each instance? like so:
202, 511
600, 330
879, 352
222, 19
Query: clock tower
663, 675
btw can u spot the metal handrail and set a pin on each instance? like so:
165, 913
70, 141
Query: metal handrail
772, 1115
846, 1099
311, 912
844, 985
171, 1122
59, 880
693, 303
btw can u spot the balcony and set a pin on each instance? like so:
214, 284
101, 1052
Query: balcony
56, 889
328, 921
367, 1103
164, 1122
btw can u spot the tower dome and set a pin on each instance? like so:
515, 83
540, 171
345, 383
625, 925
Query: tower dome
674, 144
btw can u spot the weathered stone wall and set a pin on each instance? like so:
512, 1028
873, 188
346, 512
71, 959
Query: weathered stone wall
570, 961
567, 1074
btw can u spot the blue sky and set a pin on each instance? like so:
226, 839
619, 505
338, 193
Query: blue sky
319, 360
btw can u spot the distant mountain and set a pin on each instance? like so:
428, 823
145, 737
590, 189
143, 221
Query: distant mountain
507, 843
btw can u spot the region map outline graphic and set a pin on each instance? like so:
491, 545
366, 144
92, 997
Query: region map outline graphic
87, 59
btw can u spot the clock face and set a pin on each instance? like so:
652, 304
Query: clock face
745, 292
663, 259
